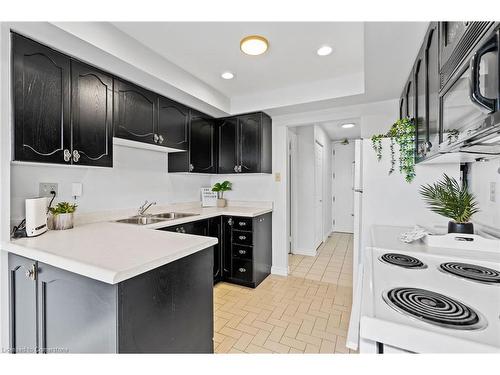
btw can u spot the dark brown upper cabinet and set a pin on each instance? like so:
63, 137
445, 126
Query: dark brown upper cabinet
135, 113
91, 115
421, 107
42, 130
432, 89
173, 124
201, 156
245, 144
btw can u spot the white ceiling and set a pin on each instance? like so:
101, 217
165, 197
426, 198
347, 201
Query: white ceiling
335, 130
206, 49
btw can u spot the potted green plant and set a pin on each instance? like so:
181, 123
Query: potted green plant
453, 200
62, 215
220, 188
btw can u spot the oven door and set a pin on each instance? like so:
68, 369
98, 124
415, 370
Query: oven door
471, 97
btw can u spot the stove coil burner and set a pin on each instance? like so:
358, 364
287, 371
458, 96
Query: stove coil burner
402, 260
434, 308
471, 272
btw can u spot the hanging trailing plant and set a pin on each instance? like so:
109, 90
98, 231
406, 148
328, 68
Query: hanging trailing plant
401, 132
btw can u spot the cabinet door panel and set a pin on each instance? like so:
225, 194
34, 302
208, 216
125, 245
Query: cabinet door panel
92, 104
173, 123
228, 145
134, 112
421, 108
249, 128
433, 90
202, 147
22, 302
76, 314
215, 230
41, 102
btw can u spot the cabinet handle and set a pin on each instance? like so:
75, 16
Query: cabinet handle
160, 138
242, 224
67, 155
191, 167
155, 138
31, 272
242, 252
242, 270
230, 221
242, 237
239, 168
76, 156
236, 168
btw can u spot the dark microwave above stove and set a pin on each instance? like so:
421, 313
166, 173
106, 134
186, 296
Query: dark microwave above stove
470, 101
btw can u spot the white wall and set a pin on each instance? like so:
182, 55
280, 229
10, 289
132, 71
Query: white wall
136, 175
342, 187
255, 187
481, 176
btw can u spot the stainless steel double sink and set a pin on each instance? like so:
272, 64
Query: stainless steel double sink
151, 219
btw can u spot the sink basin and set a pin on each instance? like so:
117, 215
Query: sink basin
140, 220
172, 215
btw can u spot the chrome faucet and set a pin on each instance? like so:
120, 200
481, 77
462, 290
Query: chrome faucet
142, 210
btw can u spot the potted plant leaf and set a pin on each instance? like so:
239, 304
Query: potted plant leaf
62, 215
453, 200
220, 188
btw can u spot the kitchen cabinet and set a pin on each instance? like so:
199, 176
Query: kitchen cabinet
247, 249
420, 107
159, 311
201, 156
42, 127
173, 124
91, 115
245, 144
135, 112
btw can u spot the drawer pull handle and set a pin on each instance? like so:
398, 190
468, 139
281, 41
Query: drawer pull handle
242, 223
242, 237
242, 270
242, 251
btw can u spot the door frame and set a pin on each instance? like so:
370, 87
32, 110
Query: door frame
321, 174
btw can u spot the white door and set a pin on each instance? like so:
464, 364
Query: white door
318, 194
343, 184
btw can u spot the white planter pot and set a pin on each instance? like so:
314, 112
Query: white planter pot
62, 221
221, 202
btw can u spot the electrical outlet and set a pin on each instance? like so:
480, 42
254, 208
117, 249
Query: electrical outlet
45, 188
493, 191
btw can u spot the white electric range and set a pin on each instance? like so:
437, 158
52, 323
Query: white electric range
423, 299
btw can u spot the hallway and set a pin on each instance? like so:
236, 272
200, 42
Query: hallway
306, 312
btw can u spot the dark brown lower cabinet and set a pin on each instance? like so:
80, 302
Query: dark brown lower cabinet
166, 310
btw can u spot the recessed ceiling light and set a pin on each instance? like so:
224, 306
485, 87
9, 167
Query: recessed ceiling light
254, 45
348, 126
324, 50
227, 75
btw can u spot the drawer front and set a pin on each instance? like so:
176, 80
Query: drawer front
242, 223
242, 269
242, 238
243, 252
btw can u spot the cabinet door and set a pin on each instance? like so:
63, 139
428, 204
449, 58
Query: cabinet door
92, 114
22, 302
410, 102
41, 102
421, 107
227, 229
228, 145
135, 112
432, 66
202, 145
249, 132
173, 124
402, 107
215, 230
199, 228
76, 314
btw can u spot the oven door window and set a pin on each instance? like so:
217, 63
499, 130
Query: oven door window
460, 114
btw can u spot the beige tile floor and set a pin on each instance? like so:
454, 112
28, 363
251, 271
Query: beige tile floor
306, 312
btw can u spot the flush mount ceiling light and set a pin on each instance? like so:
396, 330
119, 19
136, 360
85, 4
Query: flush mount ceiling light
324, 50
348, 126
227, 75
254, 45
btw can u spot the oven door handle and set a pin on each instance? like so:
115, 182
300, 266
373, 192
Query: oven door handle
475, 92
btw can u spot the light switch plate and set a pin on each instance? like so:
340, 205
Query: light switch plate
76, 189
45, 188
277, 177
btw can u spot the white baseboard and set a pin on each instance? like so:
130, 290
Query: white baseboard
282, 271
306, 252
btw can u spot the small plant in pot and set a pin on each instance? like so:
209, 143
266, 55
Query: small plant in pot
220, 188
62, 215
453, 200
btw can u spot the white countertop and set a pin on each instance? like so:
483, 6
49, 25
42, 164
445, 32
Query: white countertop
113, 252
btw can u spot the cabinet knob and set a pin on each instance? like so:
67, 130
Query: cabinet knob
76, 156
242, 224
67, 155
242, 237
230, 221
31, 272
236, 168
242, 252
191, 167
155, 138
239, 168
242, 270
160, 138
